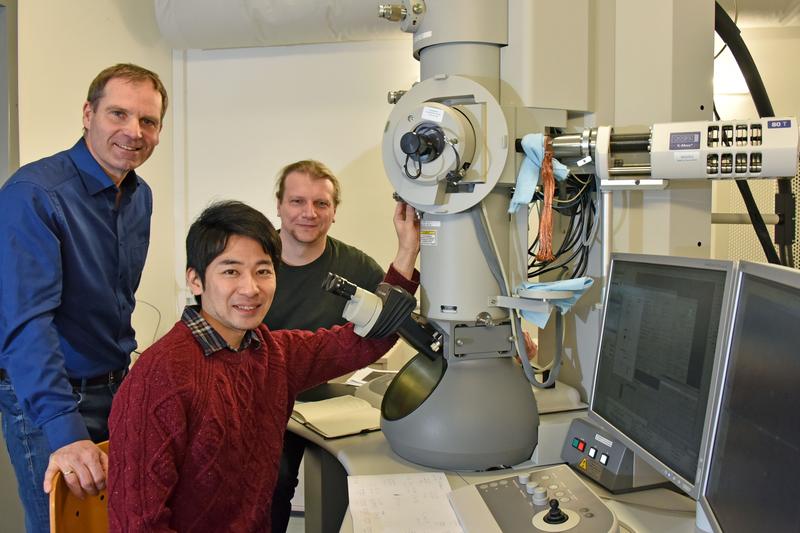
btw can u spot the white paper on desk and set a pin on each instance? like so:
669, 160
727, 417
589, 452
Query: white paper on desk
401, 503
365, 375
339, 416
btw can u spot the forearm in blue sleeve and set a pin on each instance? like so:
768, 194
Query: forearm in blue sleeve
30, 293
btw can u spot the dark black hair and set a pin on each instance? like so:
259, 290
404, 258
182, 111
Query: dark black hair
209, 234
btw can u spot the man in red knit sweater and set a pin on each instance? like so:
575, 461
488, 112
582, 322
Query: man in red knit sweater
197, 426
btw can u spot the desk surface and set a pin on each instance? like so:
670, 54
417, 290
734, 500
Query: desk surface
660, 510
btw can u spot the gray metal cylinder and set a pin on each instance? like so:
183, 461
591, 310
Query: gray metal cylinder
454, 276
463, 38
457, 21
477, 61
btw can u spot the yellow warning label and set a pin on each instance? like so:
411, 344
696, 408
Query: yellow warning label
427, 237
584, 464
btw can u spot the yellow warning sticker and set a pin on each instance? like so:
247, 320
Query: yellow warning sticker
584, 464
428, 237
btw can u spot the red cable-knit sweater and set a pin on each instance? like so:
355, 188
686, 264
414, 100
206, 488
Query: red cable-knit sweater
195, 440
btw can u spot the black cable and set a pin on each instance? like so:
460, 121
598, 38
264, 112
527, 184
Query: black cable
758, 222
573, 248
784, 258
566, 244
419, 169
763, 235
731, 36
571, 258
571, 236
558, 263
562, 266
584, 260
458, 157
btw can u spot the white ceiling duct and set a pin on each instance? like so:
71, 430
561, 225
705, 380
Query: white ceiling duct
246, 23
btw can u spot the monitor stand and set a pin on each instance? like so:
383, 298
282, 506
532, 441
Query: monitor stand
701, 523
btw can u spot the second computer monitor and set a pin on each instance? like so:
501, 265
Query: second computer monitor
658, 360
753, 481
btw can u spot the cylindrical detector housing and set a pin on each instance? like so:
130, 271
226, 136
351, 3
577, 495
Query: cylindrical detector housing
728, 149
456, 281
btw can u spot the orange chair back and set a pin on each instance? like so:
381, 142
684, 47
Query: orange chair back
71, 514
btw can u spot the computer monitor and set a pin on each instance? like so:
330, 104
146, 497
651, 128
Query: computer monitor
659, 355
753, 481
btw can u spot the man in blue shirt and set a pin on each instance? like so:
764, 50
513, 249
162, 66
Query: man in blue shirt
74, 234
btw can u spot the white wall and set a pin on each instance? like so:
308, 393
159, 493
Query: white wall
62, 46
251, 111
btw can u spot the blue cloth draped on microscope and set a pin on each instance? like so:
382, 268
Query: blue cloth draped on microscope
527, 181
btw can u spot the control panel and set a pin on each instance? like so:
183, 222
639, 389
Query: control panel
550, 499
758, 148
595, 454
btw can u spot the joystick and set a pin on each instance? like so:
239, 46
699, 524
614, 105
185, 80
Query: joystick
555, 515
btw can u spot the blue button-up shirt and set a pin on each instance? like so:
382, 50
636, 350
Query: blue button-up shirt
70, 263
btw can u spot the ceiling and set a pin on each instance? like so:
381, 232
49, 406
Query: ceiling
764, 13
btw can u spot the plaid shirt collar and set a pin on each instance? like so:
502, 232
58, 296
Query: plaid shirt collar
211, 341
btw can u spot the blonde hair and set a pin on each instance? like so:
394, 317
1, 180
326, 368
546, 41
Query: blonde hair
316, 170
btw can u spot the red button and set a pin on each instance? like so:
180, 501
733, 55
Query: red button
581, 446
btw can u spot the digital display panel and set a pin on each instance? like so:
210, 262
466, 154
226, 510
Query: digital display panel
687, 140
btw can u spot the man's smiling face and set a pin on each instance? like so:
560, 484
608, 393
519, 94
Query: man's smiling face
237, 290
123, 128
